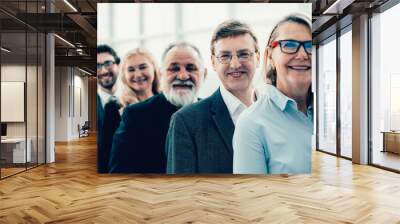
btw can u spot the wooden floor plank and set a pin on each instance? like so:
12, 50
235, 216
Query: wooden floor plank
70, 191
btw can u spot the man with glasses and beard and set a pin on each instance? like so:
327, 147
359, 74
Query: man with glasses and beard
200, 135
107, 73
139, 142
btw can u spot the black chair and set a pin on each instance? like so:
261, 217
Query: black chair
84, 130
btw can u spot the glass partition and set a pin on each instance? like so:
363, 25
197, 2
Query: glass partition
327, 96
23, 87
14, 153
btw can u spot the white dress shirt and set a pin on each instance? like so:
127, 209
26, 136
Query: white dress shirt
104, 96
234, 105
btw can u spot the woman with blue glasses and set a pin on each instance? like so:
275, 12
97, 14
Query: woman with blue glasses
273, 136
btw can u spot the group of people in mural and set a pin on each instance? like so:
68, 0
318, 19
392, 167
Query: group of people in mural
158, 124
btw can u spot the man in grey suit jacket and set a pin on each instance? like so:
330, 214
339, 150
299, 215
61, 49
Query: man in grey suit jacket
199, 139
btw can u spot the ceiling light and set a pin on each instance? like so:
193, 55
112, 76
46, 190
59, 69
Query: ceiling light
64, 40
84, 71
70, 5
5, 50
338, 6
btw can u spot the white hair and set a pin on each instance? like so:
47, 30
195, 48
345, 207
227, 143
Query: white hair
180, 100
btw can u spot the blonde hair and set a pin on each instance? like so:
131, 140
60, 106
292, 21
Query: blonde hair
155, 86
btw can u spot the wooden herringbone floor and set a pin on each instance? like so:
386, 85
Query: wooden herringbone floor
70, 191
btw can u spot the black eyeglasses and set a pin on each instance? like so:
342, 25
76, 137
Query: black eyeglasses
243, 56
293, 46
107, 64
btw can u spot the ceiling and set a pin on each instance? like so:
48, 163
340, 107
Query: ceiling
79, 26
332, 15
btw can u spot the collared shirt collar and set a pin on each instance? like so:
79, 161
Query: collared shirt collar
234, 105
283, 101
278, 97
104, 96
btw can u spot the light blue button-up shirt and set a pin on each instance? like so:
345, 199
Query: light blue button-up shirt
273, 137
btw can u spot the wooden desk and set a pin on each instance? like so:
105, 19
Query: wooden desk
391, 141
13, 150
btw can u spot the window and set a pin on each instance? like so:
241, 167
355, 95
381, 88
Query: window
346, 94
385, 88
327, 96
125, 26
157, 19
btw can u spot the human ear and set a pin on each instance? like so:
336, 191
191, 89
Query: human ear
214, 62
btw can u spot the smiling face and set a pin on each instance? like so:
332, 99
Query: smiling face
107, 75
139, 73
236, 75
182, 75
293, 70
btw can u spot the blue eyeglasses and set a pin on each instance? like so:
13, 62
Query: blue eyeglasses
293, 46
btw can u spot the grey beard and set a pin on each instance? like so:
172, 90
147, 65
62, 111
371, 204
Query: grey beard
181, 100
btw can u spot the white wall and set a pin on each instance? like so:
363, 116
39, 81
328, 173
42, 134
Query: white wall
79, 110
61, 103
16, 73
70, 83
33, 126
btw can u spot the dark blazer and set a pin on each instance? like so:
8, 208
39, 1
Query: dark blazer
139, 142
100, 113
111, 122
100, 119
199, 139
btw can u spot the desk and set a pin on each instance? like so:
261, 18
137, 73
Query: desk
13, 150
391, 141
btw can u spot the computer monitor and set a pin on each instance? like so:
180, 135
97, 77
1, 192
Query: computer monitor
3, 129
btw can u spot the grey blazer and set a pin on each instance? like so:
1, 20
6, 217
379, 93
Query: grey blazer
199, 138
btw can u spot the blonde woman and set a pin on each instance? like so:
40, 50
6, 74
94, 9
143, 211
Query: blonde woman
140, 79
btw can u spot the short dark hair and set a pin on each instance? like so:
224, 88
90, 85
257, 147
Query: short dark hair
231, 28
104, 48
180, 44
